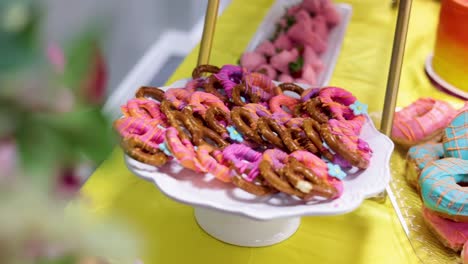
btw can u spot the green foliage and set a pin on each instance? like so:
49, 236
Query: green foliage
79, 56
19, 46
296, 66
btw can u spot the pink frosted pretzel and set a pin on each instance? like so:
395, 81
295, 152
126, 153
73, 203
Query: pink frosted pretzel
258, 109
319, 168
201, 101
211, 165
278, 102
262, 81
338, 102
146, 109
341, 138
141, 129
183, 150
243, 159
276, 157
179, 97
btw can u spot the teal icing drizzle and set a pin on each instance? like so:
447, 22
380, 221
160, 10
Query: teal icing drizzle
456, 137
439, 189
423, 154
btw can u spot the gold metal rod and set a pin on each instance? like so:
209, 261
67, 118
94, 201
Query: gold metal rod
393, 81
208, 32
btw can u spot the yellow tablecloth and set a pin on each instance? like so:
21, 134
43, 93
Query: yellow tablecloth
370, 234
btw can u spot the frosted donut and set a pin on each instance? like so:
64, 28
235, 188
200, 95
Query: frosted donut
450, 233
455, 138
183, 150
464, 254
421, 121
320, 169
179, 97
440, 191
201, 101
417, 159
211, 165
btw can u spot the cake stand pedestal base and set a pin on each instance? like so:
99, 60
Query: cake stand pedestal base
243, 231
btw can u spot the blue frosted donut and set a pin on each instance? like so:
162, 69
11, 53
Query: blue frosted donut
440, 191
425, 153
418, 157
455, 137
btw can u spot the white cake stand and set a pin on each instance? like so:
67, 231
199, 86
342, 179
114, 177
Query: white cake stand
236, 217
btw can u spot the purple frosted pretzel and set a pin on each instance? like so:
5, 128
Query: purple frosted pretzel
276, 157
179, 97
142, 129
243, 159
230, 76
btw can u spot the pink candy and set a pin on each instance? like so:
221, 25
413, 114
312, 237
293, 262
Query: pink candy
252, 60
293, 54
281, 60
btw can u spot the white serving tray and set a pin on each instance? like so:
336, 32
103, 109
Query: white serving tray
219, 204
335, 39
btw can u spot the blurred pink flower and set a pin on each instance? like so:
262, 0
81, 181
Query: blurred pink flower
8, 160
56, 57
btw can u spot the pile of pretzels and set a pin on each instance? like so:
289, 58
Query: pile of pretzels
244, 129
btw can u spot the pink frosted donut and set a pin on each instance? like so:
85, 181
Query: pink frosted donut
278, 102
464, 254
201, 101
211, 165
179, 97
183, 150
421, 121
244, 159
319, 168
